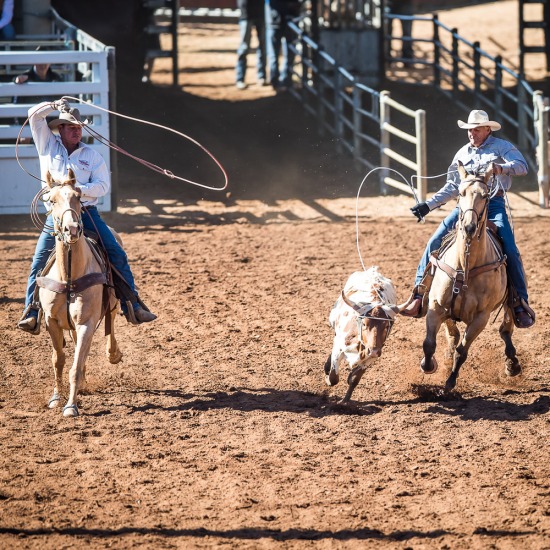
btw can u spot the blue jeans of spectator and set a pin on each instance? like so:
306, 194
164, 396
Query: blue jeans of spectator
497, 214
245, 28
91, 221
7, 32
279, 38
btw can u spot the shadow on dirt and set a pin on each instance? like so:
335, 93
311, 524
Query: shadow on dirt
259, 533
320, 405
480, 408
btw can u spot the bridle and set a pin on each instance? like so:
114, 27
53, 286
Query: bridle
363, 311
480, 217
68, 241
460, 277
58, 227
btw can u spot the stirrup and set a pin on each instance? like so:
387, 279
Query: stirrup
35, 307
129, 314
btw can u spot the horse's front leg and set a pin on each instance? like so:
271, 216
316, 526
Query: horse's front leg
453, 338
473, 330
113, 351
85, 335
58, 360
506, 329
433, 324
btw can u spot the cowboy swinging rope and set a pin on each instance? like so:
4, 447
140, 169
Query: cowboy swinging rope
35, 217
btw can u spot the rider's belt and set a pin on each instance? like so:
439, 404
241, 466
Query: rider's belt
500, 193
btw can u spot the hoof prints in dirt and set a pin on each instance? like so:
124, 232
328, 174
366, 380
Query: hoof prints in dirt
430, 392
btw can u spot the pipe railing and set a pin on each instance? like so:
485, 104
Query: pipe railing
462, 70
357, 115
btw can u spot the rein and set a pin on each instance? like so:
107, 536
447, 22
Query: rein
460, 277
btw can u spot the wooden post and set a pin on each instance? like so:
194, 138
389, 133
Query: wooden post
384, 140
421, 154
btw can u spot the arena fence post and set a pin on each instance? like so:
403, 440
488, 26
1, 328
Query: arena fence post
541, 108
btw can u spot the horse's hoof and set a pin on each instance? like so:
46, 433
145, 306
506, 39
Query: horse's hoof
512, 368
70, 411
450, 384
115, 358
332, 378
433, 365
54, 401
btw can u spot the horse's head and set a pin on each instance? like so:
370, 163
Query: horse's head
64, 198
473, 197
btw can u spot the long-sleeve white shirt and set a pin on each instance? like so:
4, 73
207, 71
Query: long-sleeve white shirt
90, 169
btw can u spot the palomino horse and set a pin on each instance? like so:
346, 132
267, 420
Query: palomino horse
469, 283
72, 294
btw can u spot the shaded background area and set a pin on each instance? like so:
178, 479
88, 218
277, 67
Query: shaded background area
270, 148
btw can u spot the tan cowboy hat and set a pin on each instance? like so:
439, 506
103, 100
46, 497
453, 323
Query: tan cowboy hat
68, 118
478, 118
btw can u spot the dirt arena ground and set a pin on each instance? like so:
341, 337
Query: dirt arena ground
217, 430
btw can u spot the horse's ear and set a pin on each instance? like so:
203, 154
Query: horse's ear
72, 177
49, 180
461, 170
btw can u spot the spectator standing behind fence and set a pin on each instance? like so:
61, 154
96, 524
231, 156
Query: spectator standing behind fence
252, 16
40, 72
404, 7
279, 38
7, 32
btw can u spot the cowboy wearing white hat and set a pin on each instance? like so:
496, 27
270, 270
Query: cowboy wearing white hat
478, 118
72, 116
482, 150
58, 153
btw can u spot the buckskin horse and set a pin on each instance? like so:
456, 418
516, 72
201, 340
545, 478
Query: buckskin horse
74, 292
469, 282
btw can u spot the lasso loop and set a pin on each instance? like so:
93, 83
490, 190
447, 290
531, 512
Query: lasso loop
410, 184
146, 163
35, 216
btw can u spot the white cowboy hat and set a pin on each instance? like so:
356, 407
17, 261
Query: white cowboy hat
73, 117
478, 118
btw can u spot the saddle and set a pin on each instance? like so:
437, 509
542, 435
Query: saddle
123, 291
108, 276
423, 289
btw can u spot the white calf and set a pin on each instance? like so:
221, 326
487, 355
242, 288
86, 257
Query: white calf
362, 319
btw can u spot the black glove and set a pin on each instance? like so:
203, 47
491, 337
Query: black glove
420, 210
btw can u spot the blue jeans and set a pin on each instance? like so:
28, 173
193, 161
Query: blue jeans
497, 214
7, 32
279, 37
91, 221
245, 28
